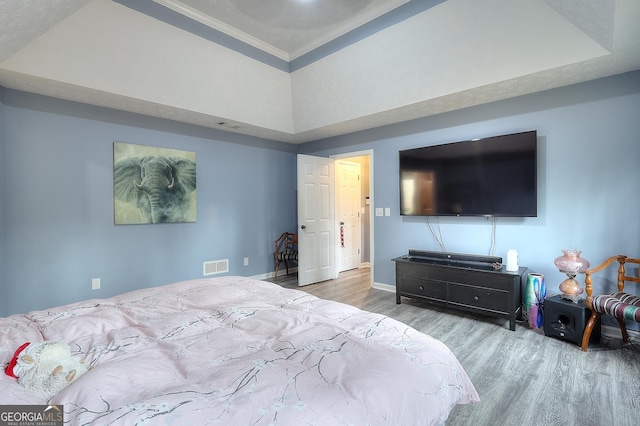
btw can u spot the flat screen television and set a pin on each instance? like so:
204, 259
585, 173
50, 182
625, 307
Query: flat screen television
494, 176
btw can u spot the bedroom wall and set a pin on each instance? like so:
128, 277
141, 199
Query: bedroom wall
57, 208
588, 180
58, 203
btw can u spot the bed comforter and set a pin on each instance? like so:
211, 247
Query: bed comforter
239, 351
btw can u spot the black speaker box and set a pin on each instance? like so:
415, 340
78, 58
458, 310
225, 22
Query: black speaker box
566, 319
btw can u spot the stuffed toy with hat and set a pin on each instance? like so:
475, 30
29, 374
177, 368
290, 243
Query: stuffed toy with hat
45, 368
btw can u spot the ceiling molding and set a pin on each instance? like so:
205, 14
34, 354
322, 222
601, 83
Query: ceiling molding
180, 15
164, 14
223, 27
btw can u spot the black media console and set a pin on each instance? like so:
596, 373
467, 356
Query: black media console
461, 281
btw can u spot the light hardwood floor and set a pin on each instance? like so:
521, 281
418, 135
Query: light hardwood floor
522, 376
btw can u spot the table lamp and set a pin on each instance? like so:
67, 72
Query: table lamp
571, 264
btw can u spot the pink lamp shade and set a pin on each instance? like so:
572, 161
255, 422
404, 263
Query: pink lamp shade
571, 263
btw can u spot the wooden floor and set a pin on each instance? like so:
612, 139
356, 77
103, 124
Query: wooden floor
522, 376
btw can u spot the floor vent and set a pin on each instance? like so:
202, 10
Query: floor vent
215, 267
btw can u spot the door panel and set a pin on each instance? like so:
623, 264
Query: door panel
316, 218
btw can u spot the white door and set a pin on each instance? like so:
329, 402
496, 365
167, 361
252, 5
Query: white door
348, 211
316, 220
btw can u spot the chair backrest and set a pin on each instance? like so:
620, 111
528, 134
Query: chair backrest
623, 274
288, 241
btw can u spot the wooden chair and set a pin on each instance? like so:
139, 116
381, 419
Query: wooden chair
286, 250
621, 305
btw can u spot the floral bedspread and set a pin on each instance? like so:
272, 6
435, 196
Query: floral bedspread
238, 351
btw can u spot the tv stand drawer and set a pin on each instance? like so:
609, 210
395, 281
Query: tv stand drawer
490, 292
478, 297
425, 288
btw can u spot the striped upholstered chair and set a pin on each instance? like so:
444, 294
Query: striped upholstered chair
286, 250
622, 305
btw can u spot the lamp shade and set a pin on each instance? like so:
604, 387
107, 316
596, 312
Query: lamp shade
571, 262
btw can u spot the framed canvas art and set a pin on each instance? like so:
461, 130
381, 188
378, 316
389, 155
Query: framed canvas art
153, 185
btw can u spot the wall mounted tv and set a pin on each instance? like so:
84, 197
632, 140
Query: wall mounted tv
494, 176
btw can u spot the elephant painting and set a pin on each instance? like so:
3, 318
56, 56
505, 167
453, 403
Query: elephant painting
161, 188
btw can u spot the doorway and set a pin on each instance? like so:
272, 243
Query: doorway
364, 159
319, 225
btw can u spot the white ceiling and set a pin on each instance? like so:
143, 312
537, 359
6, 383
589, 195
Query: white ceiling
451, 55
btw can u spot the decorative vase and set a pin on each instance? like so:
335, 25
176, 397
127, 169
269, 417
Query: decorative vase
571, 262
535, 293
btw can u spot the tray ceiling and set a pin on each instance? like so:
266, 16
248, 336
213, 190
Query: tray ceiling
36, 38
284, 28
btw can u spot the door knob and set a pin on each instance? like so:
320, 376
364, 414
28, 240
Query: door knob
303, 227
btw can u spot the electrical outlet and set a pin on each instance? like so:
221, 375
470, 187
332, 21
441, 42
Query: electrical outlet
95, 284
379, 211
246, 261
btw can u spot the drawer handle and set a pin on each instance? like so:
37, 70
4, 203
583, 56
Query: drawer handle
476, 298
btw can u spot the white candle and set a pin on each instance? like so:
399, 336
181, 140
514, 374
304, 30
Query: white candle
512, 260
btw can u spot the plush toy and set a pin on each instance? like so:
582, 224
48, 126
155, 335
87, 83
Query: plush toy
45, 368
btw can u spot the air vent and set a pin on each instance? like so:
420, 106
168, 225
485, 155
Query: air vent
215, 267
228, 125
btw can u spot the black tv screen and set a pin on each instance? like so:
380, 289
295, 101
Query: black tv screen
494, 176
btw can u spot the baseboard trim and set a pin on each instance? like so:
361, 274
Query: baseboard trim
385, 287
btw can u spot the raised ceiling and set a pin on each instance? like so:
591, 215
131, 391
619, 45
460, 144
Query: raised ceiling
274, 69
285, 28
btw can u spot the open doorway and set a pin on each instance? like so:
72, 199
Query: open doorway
319, 230
363, 162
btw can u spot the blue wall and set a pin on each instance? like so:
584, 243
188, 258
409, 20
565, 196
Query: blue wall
57, 203
588, 179
57, 192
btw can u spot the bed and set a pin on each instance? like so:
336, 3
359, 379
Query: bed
239, 351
